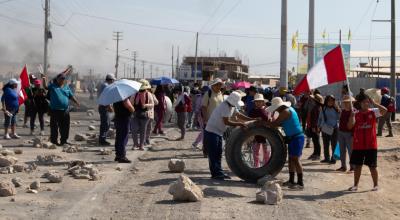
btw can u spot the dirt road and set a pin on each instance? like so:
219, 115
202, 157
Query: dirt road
140, 190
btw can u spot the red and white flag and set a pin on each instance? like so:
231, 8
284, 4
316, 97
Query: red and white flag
327, 71
24, 79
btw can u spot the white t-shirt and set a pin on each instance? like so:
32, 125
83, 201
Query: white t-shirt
216, 123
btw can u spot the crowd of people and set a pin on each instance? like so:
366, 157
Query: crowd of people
348, 123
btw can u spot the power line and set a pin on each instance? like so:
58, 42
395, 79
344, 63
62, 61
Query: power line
5, 1
212, 15
226, 15
21, 21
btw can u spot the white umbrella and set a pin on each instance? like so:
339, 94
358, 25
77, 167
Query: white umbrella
118, 91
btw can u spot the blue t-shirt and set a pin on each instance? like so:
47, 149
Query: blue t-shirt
249, 104
292, 126
59, 97
10, 98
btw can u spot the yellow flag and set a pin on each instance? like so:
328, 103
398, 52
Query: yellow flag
294, 40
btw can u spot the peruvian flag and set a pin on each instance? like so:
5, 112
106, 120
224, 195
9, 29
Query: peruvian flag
327, 71
24, 79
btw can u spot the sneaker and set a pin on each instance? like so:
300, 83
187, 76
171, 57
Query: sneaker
31, 133
104, 143
379, 135
342, 169
332, 161
288, 184
325, 161
389, 135
195, 147
353, 189
161, 133
15, 136
296, 186
7, 137
123, 160
221, 177
307, 145
376, 188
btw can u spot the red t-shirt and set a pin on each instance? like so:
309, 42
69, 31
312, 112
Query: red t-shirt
365, 130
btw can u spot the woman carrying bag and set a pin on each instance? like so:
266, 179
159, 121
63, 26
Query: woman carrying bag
328, 122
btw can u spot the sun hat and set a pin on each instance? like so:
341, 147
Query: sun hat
216, 81
348, 98
145, 84
259, 97
241, 93
276, 103
110, 76
235, 99
13, 81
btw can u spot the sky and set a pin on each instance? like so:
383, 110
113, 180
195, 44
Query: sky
83, 30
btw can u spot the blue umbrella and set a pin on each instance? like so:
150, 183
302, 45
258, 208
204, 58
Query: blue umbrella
164, 80
118, 91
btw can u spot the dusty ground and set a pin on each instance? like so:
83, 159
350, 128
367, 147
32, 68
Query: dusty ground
142, 194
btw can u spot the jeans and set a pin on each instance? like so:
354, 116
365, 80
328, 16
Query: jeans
59, 122
385, 119
329, 140
139, 125
345, 140
35, 112
105, 122
213, 142
181, 122
121, 135
317, 145
10, 120
189, 119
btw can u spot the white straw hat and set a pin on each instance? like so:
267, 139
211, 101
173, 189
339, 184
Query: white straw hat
276, 103
259, 97
235, 99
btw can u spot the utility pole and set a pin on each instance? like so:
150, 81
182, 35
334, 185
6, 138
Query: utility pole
177, 64
124, 70
172, 62
311, 35
143, 68
283, 72
134, 54
47, 35
151, 71
117, 37
195, 58
340, 36
393, 53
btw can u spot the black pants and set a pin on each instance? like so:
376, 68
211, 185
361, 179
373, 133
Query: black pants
317, 146
34, 112
59, 122
105, 122
330, 141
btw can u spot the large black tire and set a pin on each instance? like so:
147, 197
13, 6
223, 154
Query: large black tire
234, 159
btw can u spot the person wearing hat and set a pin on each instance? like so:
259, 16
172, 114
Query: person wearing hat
289, 121
345, 135
224, 115
286, 96
10, 106
28, 103
328, 122
199, 116
105, 111
39, 105
389, 103
312, 128
59, 94
260, 111
142, 102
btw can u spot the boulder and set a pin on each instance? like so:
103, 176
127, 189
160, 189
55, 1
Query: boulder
7, 189
37, 142
84, 171
105, 151
35, 185
80, 137
49, 159
185, 190
91, 128
53, 177
6, 161
18, 168
34, 191
70, 149
6, 152
262, 181
176, 165
6, 170
30, 168
18, 151
49, 145
17, 181
270, 193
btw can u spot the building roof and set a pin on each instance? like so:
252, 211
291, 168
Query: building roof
263, 77
366, 54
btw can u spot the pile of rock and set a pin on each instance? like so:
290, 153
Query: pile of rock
81, 170
185, 190
41, 143
49, 159
270, 193
71, 149
176, 165
17, 181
